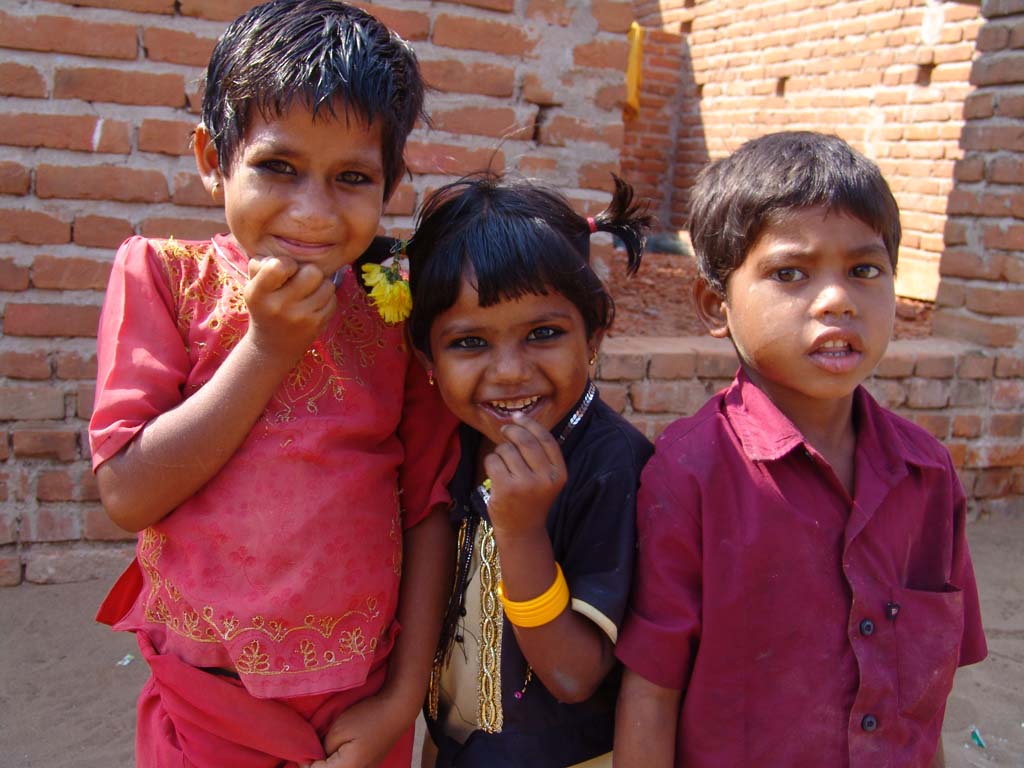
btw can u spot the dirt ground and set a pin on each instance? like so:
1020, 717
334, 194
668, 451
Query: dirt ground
656, 300
68, 685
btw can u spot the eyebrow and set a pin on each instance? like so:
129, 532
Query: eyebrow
455, 329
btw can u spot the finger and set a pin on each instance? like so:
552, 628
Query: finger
272, 272
512, 460
537, 444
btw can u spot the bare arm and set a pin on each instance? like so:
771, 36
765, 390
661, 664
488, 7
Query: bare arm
939, 760
571, 655
176, 453
365, 732
646, 719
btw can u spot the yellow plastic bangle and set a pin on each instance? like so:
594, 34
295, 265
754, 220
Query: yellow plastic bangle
540, 610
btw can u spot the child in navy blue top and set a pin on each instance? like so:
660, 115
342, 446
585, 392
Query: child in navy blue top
507, 317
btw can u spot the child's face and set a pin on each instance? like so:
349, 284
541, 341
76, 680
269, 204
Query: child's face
310, 191
528, 356
811, 308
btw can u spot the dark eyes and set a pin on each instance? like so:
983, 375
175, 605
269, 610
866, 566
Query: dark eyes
792, 274
788, 275
541, 333
865, 271
284, 168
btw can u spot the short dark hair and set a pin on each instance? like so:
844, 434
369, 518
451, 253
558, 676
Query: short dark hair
766, 178
514, 236
323, 52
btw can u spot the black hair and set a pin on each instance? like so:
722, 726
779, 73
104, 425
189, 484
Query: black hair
772, 176
515, 236
325, 53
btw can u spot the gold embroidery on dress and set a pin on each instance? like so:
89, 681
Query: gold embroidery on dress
490, 717
206, 627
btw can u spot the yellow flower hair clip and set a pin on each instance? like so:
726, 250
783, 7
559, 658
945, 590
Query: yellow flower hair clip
389, 286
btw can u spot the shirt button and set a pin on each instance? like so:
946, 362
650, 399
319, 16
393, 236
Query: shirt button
869, 723
867, 627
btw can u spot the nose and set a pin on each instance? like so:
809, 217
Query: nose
312, 206
834, 299
510, 365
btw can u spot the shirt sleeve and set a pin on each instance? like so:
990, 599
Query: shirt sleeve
973, 647
662, 625
598, 559
141, 359
429, 436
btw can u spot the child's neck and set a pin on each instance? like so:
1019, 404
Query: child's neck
829, 426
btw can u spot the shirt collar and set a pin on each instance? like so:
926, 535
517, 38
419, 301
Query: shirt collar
767, 434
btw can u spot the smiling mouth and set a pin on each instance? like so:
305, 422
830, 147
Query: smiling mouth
834, 348
510, 407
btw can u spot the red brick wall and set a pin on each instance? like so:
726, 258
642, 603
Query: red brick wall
99, 100
889, 76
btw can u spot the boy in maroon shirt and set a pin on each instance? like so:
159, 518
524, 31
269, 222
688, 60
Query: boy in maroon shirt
804, 590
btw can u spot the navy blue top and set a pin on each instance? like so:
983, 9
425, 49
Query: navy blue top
593, 534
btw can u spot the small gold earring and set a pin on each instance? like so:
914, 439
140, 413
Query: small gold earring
593, 356
430, 377
215, 189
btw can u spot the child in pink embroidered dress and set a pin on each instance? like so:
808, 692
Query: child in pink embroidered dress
263, 427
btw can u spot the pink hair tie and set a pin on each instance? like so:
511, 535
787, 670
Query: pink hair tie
592, 224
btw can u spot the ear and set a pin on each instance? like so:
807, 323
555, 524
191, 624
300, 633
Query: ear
594, 343
207, 162
712, 309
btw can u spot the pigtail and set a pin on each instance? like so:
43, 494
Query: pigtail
626, 218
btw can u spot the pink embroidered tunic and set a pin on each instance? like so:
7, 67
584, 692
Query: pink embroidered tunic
286, 565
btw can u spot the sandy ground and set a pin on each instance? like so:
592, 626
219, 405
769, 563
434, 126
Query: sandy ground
68, 685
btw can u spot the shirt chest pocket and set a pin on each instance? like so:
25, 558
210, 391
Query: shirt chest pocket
929, 628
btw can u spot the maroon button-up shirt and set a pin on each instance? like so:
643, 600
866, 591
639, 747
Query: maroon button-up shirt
806, 628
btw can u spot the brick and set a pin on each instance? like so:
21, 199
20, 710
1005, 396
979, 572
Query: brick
61, 565
1010, 425
966, 263
621, 367
995, 455
412, 25
896, 364
450, 76
552, 11
967, 394
402, 202
177, 47
990, 483
101, 182
615, 396
10, 569
8, 518
927, 393
168, 137
33, 365
118, 86
84, 398
101, 231
182, 228
88, 488
491, 5
537, 91
719, 363
21, 80
5, 453
1007, 394
32, 227
970, 329
75, 365
482, 121
935, 365
679, 397
997, 302
13, 276
936, 424
562, 129
612, 16
145, 6
673, 365
97, 526
52, 523
14, 179
82, 133
1009, 366
966, 425
1003, 237
597, 176
51, 320
24, 402
602, 54
70, 273
474, 34
61, 445
55, 485
535, 165
652, 425
188, 189
214, 10
976, 365
1000, 69
451, 159
66, 34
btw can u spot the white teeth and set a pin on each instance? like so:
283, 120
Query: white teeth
514, 405
834, 345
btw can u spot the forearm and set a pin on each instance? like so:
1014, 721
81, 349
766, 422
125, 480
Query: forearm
570, 654
426, 583
646, 719
180, 450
